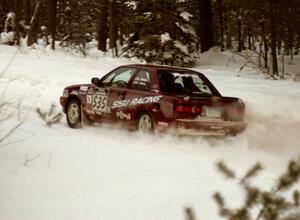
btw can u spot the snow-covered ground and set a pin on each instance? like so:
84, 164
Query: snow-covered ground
101, 172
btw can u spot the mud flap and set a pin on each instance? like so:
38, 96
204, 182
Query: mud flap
82, 116
85, 121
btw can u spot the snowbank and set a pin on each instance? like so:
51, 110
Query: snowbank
102, 172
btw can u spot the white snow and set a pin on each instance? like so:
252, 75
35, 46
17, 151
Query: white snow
6, 37
11, 15
186, 16
181, 47
101, 172
165, 37
186, 28
132, 4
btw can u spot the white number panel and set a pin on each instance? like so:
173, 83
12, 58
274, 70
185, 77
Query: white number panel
99, 103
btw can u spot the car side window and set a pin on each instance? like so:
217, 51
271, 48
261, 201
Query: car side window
183, 83
118, 78
141, 81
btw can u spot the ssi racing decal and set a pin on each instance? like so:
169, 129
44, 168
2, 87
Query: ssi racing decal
135, 101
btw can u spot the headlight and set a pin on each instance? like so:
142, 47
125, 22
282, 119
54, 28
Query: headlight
66, 93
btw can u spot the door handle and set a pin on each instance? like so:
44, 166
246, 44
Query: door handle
121, 94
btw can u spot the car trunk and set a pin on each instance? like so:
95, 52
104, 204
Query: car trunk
209, 108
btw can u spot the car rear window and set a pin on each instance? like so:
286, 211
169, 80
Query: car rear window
184, 83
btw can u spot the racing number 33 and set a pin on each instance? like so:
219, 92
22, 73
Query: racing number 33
100, 102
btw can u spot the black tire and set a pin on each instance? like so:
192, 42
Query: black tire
145, 123
73, 113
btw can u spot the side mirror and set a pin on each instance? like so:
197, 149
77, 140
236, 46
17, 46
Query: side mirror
95, 81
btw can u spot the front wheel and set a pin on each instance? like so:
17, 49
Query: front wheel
74, 113
145, 123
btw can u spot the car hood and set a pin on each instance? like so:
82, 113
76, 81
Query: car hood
77, 86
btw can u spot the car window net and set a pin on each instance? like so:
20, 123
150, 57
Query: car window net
141, 81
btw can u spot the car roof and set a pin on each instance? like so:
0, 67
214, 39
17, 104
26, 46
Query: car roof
156, 67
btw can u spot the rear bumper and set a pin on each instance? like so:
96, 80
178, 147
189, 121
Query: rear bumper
215, 127
208, 127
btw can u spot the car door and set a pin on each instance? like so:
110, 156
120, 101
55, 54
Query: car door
117, 93
112, 88
142, 97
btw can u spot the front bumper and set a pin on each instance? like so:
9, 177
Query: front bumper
209, 127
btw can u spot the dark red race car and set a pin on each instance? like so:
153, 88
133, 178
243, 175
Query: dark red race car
160, 98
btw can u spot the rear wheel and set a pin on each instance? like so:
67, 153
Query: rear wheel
145, 123
74, 113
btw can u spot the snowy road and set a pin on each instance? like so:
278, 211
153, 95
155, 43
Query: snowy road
101, 172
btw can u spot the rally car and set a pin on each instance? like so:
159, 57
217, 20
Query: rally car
155, 98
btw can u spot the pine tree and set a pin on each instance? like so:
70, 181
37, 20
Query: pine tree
78, 23
163, 34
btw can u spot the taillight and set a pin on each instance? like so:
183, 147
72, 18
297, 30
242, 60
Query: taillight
236, 112
198, 109
179, 108
188, 109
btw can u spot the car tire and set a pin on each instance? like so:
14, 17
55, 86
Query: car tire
73, 113
145, 123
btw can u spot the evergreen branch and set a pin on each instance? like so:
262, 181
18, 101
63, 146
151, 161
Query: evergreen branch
41, 114
290, 177
252, 172
50, 117
190, 215
296, 198
252, 195
54, 120
225, 170
28, 160
221, 205
52, 110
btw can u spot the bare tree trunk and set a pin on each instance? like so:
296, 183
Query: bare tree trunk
249, 38
17, 22
253, 42
205, 21
279, 43
34, 25
27, 11
265, 43
290, 38
239, 27
273, 39
61, 20
298, 44
121, 35
260, 53
228, 34
221, 23
113, 31
52, 11
102, 25
282, 65
228, 39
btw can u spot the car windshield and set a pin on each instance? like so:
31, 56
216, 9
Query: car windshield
185, 83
